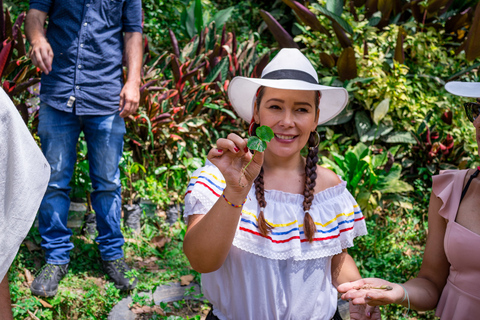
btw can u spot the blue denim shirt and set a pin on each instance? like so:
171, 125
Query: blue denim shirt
87, 42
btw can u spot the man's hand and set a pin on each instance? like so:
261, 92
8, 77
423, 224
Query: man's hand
129, 99
41, 54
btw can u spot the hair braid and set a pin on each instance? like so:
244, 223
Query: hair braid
310, 182
264, 227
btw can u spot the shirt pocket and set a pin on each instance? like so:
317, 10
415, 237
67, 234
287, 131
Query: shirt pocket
113, 10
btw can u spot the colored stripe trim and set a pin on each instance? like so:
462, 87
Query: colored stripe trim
295, 237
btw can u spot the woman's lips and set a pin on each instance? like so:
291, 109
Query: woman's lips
284, 138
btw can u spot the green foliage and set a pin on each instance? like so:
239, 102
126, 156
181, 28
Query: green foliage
371, 178
259, 142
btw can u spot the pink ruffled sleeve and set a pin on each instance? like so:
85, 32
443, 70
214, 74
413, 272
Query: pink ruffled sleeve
448, 186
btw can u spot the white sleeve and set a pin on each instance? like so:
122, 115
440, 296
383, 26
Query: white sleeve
24, 175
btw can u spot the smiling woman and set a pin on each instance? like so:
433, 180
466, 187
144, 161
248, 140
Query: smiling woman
274, 245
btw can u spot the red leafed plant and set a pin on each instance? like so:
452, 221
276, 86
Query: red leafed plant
17, 73
184, 105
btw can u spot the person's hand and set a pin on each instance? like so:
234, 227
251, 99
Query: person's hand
363, 311
230, 156
129, 99
41, 54
371, 291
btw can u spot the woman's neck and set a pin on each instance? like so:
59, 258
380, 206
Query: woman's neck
292, 164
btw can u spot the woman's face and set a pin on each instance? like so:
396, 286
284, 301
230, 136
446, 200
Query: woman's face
291, 114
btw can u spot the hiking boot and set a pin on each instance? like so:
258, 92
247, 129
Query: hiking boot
46, 282
117, 271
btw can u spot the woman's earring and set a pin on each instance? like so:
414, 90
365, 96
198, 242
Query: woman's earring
318, 141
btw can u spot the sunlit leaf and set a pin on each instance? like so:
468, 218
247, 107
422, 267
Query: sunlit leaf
362, 123
381, 110
222, 16
401, 137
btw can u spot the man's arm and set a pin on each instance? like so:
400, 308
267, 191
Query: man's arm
130, 95
5, 303
41, 52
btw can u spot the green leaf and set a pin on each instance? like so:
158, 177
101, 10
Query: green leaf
362, 123
332, 165
335, 6
217, 70
401, 137
222, 16
254, 143
334, 17
381, 110
190, 21
198, 16
265, 133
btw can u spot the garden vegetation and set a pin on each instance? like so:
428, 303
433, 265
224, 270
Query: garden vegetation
400, 128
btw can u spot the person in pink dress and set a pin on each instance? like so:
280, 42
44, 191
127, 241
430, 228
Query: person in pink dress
449, 279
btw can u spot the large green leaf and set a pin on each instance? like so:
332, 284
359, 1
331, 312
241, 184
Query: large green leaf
335, 6
223, 16
198, 16
362, 123
381, 110
396, 186
332, 165
333, 17
401, 137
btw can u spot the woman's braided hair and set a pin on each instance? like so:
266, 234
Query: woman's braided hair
310, 182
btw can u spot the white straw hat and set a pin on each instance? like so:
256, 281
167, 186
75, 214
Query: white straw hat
291, 70
464, 89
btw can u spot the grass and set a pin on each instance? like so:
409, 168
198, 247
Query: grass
392, 250
85, 293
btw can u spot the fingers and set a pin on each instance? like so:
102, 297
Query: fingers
129, 101
233, 143
42, 57
344, 287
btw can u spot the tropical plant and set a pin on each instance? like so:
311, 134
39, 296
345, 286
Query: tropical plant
17, 73
371, 178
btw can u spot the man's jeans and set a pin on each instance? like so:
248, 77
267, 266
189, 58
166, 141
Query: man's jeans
59, 132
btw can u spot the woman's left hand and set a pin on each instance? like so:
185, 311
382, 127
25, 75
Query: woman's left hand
364, 311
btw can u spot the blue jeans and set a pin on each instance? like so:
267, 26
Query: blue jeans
59, 132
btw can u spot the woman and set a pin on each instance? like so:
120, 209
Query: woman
271, 242
449, 279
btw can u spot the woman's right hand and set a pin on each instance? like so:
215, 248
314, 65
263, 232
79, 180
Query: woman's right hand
230, 156
370, 291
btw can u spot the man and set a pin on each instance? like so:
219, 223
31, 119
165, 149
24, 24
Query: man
24, 174
81, 90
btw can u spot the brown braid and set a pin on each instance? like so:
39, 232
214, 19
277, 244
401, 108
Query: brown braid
310, 182
263, 226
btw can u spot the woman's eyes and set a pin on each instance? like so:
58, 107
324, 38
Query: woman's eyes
277, 107
274, 106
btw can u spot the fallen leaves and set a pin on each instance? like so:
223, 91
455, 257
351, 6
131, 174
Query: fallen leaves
44, 303
28, 276
185, 280
31, 246
159, 242
138, 309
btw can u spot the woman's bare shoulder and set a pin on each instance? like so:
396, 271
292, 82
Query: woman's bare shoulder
326, 178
